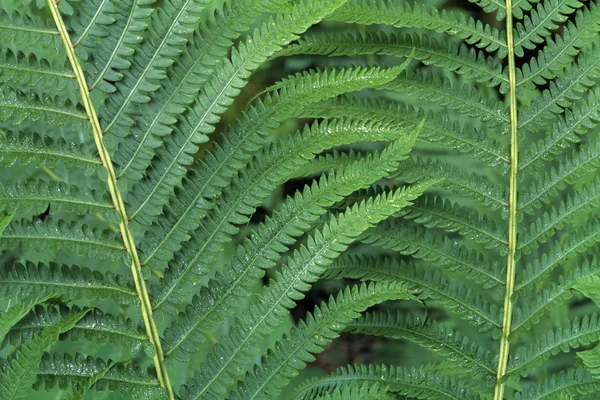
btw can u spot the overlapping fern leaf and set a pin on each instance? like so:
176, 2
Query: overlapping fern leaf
499, 249
130, 178
138, 153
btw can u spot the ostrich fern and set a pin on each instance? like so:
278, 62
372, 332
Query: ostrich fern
129, 178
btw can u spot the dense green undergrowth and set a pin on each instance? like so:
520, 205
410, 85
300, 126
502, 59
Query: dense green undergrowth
180, 179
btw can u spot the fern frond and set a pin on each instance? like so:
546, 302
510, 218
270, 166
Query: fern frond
584, 160
184, 80
561, 93
248, 136
297, 215
19, 372
33, 107
571, 382
559, 52
428, 282
21, 70
411, 382
14, 313
473, 186
365, 392
436, 128
272, 167
541, 22
95, 326
45, 151
416, 241
581, 204
67, 371
266, 311
53, 234
170, 28
312, 335
434, 211
448, 55
28, 32
34, 197
416, 15
113, 45
534, 305
19, 281
557, 254
452, 345
327, 163
578, 332
449, 93
583, 117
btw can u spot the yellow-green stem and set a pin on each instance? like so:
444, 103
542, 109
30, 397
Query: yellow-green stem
512, 211
136, 268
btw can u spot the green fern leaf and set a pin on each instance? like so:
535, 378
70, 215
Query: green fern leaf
576, 333
20, 370
455, 347
422, 16
572, 382
67, 371
447, 130
303, 269
22, 280
311, 336
411, 382
56, 234
413, 240
95, 326
559, 52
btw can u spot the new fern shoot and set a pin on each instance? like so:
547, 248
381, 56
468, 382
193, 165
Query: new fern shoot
179, 179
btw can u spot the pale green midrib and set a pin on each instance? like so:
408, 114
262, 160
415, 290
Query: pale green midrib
512, 204
92, 21
140, 284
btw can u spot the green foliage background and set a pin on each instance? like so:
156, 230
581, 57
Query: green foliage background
417, 230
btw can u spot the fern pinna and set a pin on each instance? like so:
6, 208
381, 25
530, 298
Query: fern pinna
132, 267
